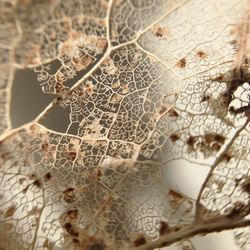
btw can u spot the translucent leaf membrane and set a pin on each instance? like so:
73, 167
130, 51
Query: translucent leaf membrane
226, 190
129, 18
143, 87
68, 40
124, 99
62, 190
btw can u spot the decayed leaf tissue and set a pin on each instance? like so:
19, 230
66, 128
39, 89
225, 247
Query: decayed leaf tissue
144, 142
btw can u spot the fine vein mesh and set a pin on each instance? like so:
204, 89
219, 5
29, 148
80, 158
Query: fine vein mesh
149, 85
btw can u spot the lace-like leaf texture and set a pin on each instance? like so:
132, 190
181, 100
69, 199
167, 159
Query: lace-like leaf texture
149, 83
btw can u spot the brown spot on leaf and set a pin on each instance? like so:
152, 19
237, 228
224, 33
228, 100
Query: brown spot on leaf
45, 146
191, 141
175, 194
215, 147
219, 78
173, 113
201, 54
174, 137
98, 174
246, 60
25, 189
205, 98
227, 157
140, 241
68, 195
10, 211
32, 177
182, 63
160, 31
48, 245
59, 87
76, 242
163, 109
21, 181
37, 183
233, 42
175, 198
73, 214
164, 228
219, 138
238, 180
71, 155
71, 230
246, 185
210, 137
47, 176
207, 144
240, 210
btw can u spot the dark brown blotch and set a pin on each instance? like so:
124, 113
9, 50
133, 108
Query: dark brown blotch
140, 241
32, 177
233, 42
37, 183
226, 157
191, 141
71, 155
72, 214
76, 242
219, 138
173, 113
246, 60
215, 147
205, 98
164, 228
210, 137
219, 78
159, 32
174, 137
48, 245
71, 230
45, 146
240, 210
68, 195
182, 63
47, 176
201, 54
98, 174
246, 185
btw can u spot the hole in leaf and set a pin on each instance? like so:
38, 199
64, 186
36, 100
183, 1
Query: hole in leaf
27, 98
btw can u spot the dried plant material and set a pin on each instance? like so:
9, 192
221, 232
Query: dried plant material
140, 86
